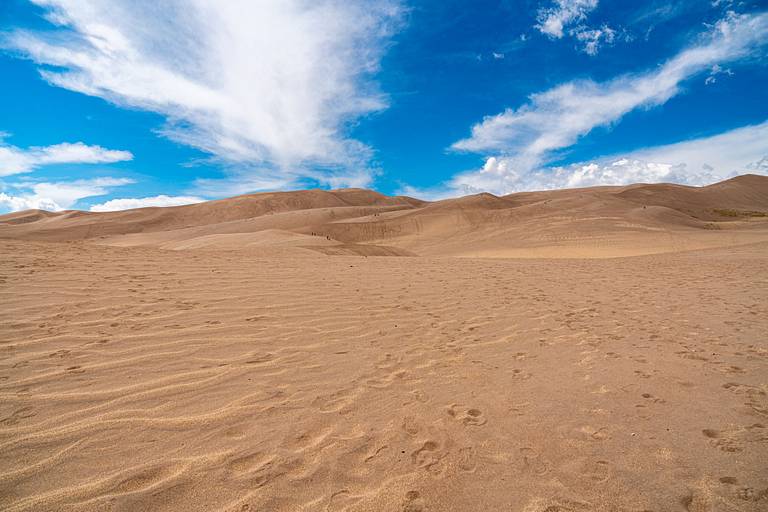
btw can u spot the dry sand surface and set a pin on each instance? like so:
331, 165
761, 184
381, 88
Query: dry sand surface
262, 364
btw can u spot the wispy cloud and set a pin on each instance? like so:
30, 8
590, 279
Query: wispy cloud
592, 39
553, 20
15, 160
55, 196
693, 162
144, 202
716, 70
269, 88
522, 140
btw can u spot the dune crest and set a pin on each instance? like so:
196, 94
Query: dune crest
591, 222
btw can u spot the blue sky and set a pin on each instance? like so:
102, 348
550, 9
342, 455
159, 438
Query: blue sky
111, 104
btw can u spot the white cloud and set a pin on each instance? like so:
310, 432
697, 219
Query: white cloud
553, 20
715, 71
525, 139
734, 152
18, 203
144, 202
57, 196
695, 162
14, 160
245, 181
593, 38
269, 87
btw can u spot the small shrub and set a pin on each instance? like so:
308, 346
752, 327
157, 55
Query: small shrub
739, 213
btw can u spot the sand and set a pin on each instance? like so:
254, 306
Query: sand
273, 376
601, 222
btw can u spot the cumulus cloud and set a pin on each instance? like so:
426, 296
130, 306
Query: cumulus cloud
55, 196
270, 87
145, 202
526, 138
18, 203
14, 160
553, 20
694, 162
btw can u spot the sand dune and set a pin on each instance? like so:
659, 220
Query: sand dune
593, 222
240, 355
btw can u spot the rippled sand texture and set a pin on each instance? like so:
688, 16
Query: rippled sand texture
141, 379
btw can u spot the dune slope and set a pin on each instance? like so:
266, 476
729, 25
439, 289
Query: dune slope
591, 222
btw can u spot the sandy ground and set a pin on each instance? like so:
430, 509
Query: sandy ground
133, 378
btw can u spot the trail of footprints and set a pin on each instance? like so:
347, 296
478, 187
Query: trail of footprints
441, 448
737, 439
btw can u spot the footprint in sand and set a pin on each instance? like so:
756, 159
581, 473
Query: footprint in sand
413, 502
375, 454
654, 399
429, 457
599, 434
697, 501
556, 505
757, 399
519, 374
533, 462
469, 417
735, 440
732, 369
598, 471
751, 494
467, 459
411, 426
386, 380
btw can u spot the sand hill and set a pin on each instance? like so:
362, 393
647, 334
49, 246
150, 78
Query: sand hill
215, 357
590, 222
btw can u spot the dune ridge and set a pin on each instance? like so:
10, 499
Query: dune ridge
591, 222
